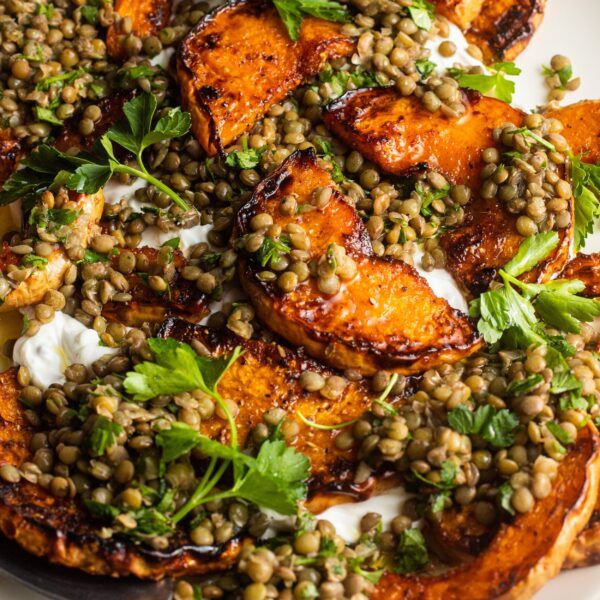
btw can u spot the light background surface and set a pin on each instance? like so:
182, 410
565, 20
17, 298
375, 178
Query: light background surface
570, 27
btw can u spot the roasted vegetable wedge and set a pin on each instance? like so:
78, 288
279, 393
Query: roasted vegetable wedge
401, 136
585, 267
461, 12
147, 17
503, 28
525, 554
387, 317
181, 298
581, 128
225, 96
49, 275
265, 377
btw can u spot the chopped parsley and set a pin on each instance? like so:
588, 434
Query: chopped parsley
495, 426
411, 553
292, 13
246, 158
586, 192
495, 81
272, 249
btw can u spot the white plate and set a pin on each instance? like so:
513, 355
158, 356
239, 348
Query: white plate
570, 27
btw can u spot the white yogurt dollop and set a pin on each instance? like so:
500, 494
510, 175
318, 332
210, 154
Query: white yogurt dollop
58, 344
346, 517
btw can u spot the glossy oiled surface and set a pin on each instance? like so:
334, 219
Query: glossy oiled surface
503, 28
585, 267
266, 376
386, 317
582, 128
148, 17
525, 554
399, 135
240, 60
460, 12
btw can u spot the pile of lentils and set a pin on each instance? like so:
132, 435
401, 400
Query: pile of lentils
55, 69
527, 174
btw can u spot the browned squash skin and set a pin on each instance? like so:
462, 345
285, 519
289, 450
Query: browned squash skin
385, 318
524, 554
503, 28
400, 135
148, 17
460, 12
266, 376
226, 96
585, 267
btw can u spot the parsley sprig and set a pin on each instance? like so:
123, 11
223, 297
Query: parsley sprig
485, 83
273, 479
517, 314
292, 13
47, 167
586, 192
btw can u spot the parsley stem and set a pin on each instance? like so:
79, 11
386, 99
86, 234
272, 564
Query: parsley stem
381, 400
316, 425
230, 420
206, 485
143, 174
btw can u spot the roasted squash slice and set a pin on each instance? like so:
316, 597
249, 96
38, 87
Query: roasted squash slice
401, 136
239, 60
182, 297
524, 554
460, 12
503, 28
32, 289
387, 317
148, 17
487, 240
585, 267
266, 376
581, 127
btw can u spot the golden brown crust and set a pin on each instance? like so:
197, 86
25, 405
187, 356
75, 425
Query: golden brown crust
585, 267
266, 376
400, 136
226, 97
525, 554
148, 17
50, 276
387, 317
460, 12
503, 28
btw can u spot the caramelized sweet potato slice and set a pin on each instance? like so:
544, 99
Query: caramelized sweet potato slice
240, 60
148, 17
32, 290
503, 28
400, 135
460, 12
582, 127
387, 317
524, 554
487, 240
182, 298
585, 267
265, 376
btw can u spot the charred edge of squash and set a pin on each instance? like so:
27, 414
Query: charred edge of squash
205, 93
361, 244
513, 26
